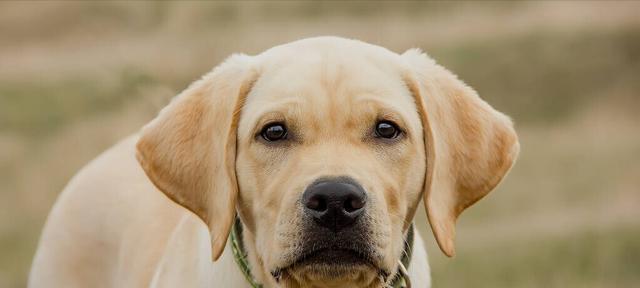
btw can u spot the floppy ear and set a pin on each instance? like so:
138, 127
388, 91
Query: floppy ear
189, 150
470, 146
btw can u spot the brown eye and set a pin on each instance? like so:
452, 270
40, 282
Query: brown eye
274, 132
387, 129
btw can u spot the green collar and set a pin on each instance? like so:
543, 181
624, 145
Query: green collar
400, 280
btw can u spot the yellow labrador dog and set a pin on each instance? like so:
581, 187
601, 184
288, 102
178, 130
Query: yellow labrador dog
306, 163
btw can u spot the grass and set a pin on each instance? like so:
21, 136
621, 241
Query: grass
38, 109
547, 76
607, 258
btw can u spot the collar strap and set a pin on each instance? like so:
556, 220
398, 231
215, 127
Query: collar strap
240, 253
400, 280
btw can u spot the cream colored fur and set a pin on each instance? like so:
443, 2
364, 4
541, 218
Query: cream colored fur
127, 223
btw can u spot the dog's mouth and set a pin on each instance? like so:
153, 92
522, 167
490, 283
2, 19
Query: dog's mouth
334, 256
331, 262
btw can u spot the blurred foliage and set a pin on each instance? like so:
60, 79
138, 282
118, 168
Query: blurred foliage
547, 76
36, 109
590, 259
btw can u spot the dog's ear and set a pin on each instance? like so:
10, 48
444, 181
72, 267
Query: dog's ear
188, 151
470, 146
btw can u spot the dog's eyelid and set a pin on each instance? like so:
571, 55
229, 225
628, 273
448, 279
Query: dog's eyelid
260, 129
266, 120
392, 118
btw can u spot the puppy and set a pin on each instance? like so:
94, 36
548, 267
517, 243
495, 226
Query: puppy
313, 155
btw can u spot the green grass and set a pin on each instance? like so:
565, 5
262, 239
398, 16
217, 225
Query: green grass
37, 109
543, 76
608, 258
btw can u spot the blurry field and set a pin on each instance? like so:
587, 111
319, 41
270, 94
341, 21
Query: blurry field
75, 78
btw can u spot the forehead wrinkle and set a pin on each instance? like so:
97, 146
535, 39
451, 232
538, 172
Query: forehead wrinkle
274, 104
289, 108
332, 74
369, 99
285, 107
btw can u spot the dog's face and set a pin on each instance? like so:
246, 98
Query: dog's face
325, 147
330, 163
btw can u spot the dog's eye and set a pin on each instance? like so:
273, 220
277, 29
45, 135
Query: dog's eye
387, 129
274, 132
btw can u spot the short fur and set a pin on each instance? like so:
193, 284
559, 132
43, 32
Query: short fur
112, 227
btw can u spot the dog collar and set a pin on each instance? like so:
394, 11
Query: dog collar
400, 280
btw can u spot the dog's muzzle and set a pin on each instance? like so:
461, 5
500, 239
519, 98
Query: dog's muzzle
335, 230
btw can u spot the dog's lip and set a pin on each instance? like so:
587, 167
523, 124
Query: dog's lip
351, 255
355, 256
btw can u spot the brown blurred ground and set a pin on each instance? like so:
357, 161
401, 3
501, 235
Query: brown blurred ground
76, 77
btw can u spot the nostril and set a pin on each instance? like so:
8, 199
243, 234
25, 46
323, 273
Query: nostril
317, 203
334, 203
353, 204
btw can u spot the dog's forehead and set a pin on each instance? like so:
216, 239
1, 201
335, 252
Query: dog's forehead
334, 63
326, 78
322, 74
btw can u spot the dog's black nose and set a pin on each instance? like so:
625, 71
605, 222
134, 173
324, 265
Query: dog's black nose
334, 203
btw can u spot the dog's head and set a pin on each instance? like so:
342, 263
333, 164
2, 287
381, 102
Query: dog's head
324, 148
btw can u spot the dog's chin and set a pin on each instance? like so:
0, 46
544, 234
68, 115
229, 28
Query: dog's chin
329, 267
324, 275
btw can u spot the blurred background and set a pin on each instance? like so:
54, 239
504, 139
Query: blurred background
76, 77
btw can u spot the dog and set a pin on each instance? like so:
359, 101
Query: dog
302, 166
